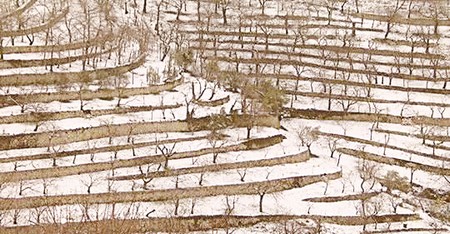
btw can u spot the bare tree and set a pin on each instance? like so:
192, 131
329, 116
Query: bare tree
367, 171
24, 186
193, 203
332, 146
262, 4
230, 206
144, 175
46, 183
166, 37
387, 137
331, 6
89, 182
167, 153
307, 136
37, 117
118, 84
242, 173
393, 14
224, 5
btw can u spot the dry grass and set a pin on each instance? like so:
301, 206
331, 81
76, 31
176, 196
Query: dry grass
372, 117
402, 20
153, 225
58, 137
59, 78
112, 148
301, 157
394, 161
53, 172
212, 103
95, 41
399, 42
341, 115
420, 230
19, 11
346, 82
333, 48
194, 223
364, 99
289, 62
33, 117
362, 196
253, 188
379, 144
431, 137
330, 58
65, 96
280, 25
28, 31
22, 63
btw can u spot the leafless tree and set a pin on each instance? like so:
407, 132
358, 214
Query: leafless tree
332, 146
24, 186
367, 171
331, 5
46, 183
167, 153
158, 4
193, 203
16, 215
166, 38
37, 214
262, 4
393, 14
89, 182
261, 191
307, 136
144, 173
230, 206
242, 173
387, 137
118, 84
224, 5
267, 31
37, 117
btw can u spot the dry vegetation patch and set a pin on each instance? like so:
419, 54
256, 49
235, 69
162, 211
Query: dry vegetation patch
269, 186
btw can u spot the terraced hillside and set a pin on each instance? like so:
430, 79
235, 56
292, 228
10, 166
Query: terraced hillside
223, 117
366, 85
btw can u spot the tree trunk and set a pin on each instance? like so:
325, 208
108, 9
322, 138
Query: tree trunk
224, 15
388, 30
261, 197
144, 8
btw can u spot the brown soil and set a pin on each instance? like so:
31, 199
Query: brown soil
112, 148
15, 176
362, 196
269, 186
65, 96
28, 31
59, 78
394, 161
196, 223
287, 62
302, 157
364, 99
34, 117
378, 144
